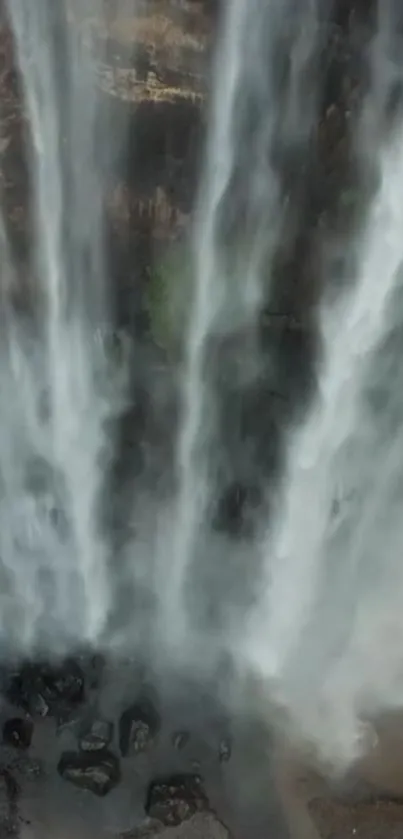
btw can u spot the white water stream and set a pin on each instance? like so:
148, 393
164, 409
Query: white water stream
229, 298
54, 382
326, 636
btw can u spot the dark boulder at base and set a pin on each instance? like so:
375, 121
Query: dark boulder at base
18, 732
139, 727
176, 799
96, 736
98, 772
44, 688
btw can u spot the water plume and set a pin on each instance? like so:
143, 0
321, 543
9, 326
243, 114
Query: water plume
237, 224
56, 397
324, 637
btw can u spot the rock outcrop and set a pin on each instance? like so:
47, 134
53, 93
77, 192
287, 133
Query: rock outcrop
139, 727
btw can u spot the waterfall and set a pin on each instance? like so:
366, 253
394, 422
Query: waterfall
54, 378
237, 224
326, 634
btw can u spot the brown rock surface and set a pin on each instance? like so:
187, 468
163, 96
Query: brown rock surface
366, 804
366, 820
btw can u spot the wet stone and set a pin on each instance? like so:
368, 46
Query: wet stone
18, 732
139, 727
97, 772
176, 799
65, 683
41, 689
96, 736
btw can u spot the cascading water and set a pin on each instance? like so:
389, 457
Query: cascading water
55, 395
327, 629
239, 210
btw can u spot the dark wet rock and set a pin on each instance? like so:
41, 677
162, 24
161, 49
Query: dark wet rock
98, 772
225, 750
64, 683
180, 739
96, 736
139, 727
176, 799
41, 688
18, 732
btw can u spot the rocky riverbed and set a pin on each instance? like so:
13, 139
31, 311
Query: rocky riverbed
93, 747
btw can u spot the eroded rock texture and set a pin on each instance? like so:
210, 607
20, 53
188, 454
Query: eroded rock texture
98, 772
139, 727
176, 799
42, 689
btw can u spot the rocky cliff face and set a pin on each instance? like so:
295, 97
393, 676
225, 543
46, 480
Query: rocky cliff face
151, 73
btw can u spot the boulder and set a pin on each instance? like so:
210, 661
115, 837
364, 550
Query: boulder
96, 736
42, 688
18, 732
98, 772
176, 799
139, 726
